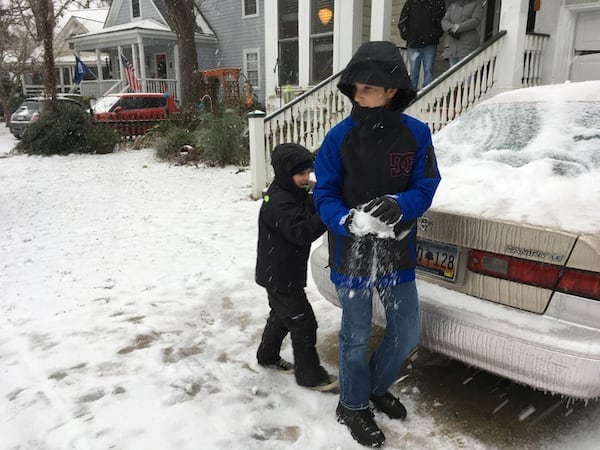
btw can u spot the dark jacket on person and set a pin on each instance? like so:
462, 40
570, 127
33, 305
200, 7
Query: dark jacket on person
419, 23
287, 224
468, 15
375, 152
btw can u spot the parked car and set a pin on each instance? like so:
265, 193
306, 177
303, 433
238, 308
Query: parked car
133, 113
508, 256
130, 106
29, 111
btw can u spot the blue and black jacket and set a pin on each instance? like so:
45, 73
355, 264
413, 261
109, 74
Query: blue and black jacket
375, 152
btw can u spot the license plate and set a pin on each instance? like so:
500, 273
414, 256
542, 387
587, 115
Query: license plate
437, 259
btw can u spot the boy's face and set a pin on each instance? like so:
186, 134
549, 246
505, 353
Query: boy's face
301, 179
369, 96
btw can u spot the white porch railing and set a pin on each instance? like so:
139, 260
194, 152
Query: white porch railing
535, 47
306, 119
460, 87
99, 88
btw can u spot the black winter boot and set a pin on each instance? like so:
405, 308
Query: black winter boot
390, 405
362, 426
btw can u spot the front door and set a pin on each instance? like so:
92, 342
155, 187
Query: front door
161, 65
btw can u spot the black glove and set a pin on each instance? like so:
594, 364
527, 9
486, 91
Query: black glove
384, 208
453, 35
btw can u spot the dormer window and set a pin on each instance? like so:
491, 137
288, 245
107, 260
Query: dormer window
135, 8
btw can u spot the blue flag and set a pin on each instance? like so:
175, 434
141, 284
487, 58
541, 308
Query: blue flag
80, 70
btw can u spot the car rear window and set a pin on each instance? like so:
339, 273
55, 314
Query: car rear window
128, 103
518, 134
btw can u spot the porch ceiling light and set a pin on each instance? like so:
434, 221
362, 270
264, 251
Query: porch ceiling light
325, 15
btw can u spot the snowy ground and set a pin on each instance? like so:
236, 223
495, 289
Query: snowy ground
129, 317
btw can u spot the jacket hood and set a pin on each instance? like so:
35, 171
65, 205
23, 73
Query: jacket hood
379, 63
284, 158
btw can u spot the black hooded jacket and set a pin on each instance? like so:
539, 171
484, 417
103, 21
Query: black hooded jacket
375, 152
419, 23
287, 225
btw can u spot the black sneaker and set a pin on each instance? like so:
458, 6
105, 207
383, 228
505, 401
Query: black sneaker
389, 405
328, 383
282, 365
362, 426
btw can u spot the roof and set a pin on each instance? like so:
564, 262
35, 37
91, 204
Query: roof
92, 18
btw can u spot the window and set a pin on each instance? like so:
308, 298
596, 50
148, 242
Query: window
135, 8
288, 42
252, 67
321, 40
250, 7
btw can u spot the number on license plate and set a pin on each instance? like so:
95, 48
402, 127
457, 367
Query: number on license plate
438, 259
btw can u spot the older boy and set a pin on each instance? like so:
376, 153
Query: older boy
381, 162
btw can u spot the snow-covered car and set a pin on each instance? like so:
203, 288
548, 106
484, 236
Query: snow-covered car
509, 253
29, 111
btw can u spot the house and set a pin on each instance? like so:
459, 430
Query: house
524, 43
142, 32
71, 23
229, 34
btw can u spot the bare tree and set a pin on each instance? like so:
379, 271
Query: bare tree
183, 17
17, 45
43, 12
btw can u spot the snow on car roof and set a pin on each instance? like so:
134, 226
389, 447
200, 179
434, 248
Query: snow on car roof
573, 92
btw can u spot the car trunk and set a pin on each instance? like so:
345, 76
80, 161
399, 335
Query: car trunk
487, 256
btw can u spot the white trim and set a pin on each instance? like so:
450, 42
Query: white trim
347, 31
303, 43
381, 25
245, 53
271, 44
248, 16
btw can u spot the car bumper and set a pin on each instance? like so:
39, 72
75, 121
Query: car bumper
17, 128
548, 352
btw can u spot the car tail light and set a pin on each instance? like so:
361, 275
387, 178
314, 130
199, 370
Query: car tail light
35, 116
548, 276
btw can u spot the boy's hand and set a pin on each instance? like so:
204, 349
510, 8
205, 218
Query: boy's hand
348, 222
385, 209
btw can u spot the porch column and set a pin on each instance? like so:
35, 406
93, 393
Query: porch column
122, 76
303, 42
347, 31
271, 53
142, 63
177, 92
136, 65
509, 65
99, 65
381, 20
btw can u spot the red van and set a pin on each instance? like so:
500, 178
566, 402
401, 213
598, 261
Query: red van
133, 113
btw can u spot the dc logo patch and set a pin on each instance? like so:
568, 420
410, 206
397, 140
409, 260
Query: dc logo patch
401, 164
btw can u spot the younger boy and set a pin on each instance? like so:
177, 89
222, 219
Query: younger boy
287, 225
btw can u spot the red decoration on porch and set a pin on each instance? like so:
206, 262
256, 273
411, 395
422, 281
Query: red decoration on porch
229, 79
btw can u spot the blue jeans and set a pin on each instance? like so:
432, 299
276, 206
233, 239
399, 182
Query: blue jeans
416, 57
360, 378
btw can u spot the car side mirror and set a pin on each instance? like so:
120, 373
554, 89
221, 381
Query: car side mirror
118, 109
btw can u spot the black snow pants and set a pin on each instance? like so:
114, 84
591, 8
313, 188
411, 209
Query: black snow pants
291, 312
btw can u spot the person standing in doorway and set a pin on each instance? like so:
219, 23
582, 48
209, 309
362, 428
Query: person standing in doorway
420, 26
461, 25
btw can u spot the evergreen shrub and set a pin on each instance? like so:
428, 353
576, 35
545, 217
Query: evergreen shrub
70, 130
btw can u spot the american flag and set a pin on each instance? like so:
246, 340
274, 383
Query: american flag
134, 84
